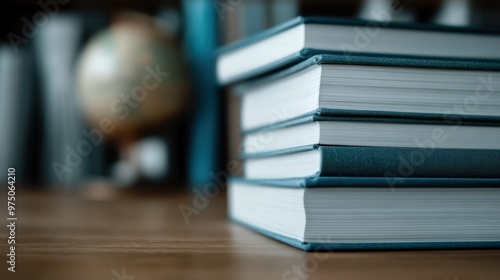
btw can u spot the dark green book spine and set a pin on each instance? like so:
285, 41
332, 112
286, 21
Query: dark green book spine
409, 162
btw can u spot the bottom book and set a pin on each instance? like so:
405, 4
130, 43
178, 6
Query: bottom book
417, 215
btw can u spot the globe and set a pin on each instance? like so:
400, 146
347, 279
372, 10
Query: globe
131, 77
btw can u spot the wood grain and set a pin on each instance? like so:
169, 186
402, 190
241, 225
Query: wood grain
63, 236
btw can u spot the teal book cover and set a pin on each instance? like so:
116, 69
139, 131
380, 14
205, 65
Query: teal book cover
350, 56
389, 161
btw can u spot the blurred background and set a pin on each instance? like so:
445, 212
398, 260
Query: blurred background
123, 93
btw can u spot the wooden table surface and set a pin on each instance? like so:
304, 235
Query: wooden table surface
142, 237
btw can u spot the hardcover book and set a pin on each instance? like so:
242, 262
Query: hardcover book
356, 161
373, 132
349, 217
303, 37
395, 87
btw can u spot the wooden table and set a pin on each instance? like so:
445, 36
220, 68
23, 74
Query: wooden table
144, 236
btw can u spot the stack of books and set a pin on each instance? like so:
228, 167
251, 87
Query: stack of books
359, 135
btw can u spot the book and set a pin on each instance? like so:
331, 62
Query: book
200, 40
383, 86
374, 182
370, 218
56, 47
348, 161
372, 132
303, 37
17, 100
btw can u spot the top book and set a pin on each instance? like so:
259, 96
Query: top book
303, 37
